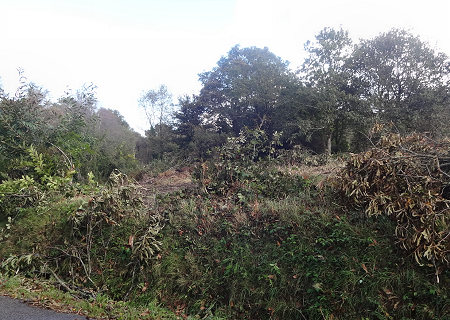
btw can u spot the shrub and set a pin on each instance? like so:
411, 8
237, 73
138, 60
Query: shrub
244, 167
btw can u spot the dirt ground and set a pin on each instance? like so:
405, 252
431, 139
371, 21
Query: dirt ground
166, 182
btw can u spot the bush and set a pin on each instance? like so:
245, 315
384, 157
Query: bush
244, 168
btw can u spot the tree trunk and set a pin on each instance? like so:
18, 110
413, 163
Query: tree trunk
329, 144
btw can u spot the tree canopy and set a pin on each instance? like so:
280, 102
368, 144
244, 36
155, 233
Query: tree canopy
402, 78
245, 89
331, 102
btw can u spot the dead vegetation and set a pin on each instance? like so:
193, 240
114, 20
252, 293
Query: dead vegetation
168, 181
406, 179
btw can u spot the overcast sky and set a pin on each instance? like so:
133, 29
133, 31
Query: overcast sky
127, 46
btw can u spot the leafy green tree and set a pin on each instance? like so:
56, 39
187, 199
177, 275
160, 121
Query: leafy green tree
403, 79
332, 103
158, 144
73, 132
97, 140
244, 90
187, 118
193, 135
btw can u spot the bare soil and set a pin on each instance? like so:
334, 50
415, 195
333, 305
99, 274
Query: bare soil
166, 182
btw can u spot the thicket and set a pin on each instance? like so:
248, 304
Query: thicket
70, 134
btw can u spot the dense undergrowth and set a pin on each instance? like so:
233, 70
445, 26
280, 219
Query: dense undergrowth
252, 241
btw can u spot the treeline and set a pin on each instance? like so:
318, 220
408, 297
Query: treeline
327, 105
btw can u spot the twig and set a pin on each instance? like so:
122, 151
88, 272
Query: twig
60, 281
71, 166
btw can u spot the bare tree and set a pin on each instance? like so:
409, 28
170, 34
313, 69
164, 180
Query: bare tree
158, 107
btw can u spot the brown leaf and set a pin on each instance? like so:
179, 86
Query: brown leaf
131, 241
146, 312
365, 268
387, 291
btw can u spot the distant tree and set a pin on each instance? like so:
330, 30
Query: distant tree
115, 143
194, 136
403, 79
159, 108
157, 105
187, 118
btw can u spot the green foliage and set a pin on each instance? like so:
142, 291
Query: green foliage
109, 223
6, 231
339, 92
404, 79
256, 240
334, 110
238, 169
244, 89
115, 144
21, 123
102, 241
68, 135
256, 262
27, 264
16, 194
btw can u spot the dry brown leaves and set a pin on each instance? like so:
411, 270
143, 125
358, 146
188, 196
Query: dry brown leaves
403, 177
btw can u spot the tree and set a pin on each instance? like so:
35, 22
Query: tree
403, 79
21, 123
157, 105
332, 103
74, 132
243, 90
187, 118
